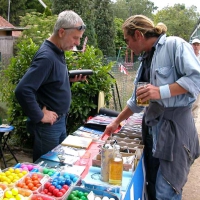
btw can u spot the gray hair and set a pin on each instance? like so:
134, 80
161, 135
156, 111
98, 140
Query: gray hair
66, 19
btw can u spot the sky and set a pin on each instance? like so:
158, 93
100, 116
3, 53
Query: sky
163, 3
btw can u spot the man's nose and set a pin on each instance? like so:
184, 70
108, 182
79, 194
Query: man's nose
77, 43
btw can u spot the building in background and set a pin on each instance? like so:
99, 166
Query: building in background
8, 36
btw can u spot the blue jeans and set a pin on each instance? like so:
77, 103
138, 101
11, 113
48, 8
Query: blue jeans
164, 190
47, 136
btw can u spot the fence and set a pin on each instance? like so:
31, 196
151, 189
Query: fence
123, 88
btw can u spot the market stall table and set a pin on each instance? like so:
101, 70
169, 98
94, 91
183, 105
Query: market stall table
5, 134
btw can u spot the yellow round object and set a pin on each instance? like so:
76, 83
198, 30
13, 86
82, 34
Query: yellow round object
24, 172
15, 180
14, 191
17, 171
11, 177
19, 197
20, 175
11, 170
7, 173
3, 174
8, 194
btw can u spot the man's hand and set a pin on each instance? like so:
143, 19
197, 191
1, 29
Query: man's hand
78, 78
49, 116
111, 128
148, 92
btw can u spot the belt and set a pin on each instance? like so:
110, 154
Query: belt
61, 114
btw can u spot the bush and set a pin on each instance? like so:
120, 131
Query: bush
85, 95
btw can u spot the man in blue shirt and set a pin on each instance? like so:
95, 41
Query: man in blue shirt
171, 141
44, 91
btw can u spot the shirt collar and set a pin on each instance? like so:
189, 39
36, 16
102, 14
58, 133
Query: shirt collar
54, 47
146, 54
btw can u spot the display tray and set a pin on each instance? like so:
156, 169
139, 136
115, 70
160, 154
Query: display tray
79, 191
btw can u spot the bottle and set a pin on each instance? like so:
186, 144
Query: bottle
116, 167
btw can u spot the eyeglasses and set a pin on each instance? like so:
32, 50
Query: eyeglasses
80, 28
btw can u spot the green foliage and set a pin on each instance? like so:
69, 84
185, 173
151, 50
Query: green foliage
124, 9
20, 8
119, 36
85, 95
17, 8
10, 78
180, 21
104, 27
39, 26
47, 12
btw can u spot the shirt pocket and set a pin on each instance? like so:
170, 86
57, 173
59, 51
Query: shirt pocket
164, 75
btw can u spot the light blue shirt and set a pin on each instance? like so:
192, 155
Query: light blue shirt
173, 61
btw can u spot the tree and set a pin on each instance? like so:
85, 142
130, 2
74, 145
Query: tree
20, 8
179, 20
119, 36
39, 26
85, 9
17, 8
125, 8
104, 27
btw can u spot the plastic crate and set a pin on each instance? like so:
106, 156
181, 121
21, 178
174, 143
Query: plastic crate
20, 194
31, 167
10, 176
48, 171
85, 191
41, 197
3, 187
57, 181
33, 183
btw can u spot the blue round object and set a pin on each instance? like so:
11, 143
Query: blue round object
72, 176
55, 183
62, 182
75, 179
59, 187
61, 178
66, 176
68, 182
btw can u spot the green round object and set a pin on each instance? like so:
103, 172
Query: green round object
75, 193
45, 171
75, 198
50, 173
86, 193
52, 170
70, 197
83, 198
80, 194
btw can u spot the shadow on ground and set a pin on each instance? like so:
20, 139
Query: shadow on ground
21, 155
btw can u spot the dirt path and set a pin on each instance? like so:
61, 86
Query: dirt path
191, 190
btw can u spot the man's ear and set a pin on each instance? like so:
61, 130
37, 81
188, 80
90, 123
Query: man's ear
138, 35
61, 32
